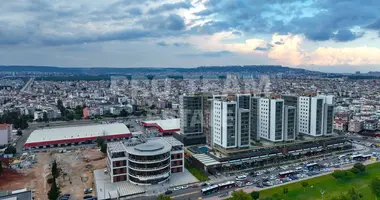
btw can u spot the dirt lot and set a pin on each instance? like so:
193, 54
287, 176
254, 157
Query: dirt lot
76, 172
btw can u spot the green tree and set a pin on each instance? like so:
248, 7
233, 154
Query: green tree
54, 192
285, 191
355, 170
54, 169
19, 132
255, 195
304, 185
375, 187
240, 195
360, 167
123, 113
1, 168
352, 194
100, 141
163, 197
103, 148
45, 117
10, 150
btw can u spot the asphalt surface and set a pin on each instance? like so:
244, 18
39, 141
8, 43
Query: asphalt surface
194, 193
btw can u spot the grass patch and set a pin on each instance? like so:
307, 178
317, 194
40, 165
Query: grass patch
200, 175
329, 184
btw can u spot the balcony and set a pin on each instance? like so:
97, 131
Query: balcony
149, 168
150, 177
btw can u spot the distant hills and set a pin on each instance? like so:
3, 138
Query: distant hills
202, 69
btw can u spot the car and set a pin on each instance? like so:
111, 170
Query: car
168, 192
87, 191
248, 183
184, 186
177, 188
64, 198
88, 197
204, 184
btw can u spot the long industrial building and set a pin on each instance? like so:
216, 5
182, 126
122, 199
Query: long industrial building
76, 135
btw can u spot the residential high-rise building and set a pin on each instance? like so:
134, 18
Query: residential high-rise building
243, 119
292, 100
225, 131
191, 112
315, 115
255, 111
290, 123
191, 124
271, 119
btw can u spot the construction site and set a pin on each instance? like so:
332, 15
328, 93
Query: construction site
33, 170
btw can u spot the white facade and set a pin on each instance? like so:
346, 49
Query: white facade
313, 115
271, 121
5, 134
224, 124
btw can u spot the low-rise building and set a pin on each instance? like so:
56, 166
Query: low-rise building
145, 161
5, 134
370, 125
355, 126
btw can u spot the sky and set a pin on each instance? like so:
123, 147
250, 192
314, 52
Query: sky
322, 35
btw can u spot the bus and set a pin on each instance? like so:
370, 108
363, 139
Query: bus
366, 157
228, 184
312, 166
356, 157
210, 190
286, 174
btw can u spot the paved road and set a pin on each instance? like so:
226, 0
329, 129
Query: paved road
187, 194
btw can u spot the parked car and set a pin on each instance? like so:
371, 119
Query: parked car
87, 191
87, 197
168, 192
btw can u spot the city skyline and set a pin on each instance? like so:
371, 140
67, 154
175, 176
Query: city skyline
329, 36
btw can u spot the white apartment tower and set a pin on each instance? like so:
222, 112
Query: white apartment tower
271, 119
224, 122
315, 115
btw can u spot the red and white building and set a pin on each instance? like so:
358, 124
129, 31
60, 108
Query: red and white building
164, 127
5, 134
76, 135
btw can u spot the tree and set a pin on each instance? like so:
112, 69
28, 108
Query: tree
355, 170
10, 150
103, 148
304, 184
45, 117
100, 141
54, 192
255, 195
360, 167
123, 113
375, 187
338, 174
285, 191
1, 168
54, 169
352, 194
240, 195
163, 197
19, 132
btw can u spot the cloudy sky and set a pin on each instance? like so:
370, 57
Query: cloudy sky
326, 35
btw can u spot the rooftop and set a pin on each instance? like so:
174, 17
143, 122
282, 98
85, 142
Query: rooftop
4, 126
172, 141
164, 125
151, 147
53, 134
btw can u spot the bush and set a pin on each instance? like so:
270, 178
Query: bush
355, 170
360, 167
50, 180
338, 174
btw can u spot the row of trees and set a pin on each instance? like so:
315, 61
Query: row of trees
54, 192
19, 121
343, 175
